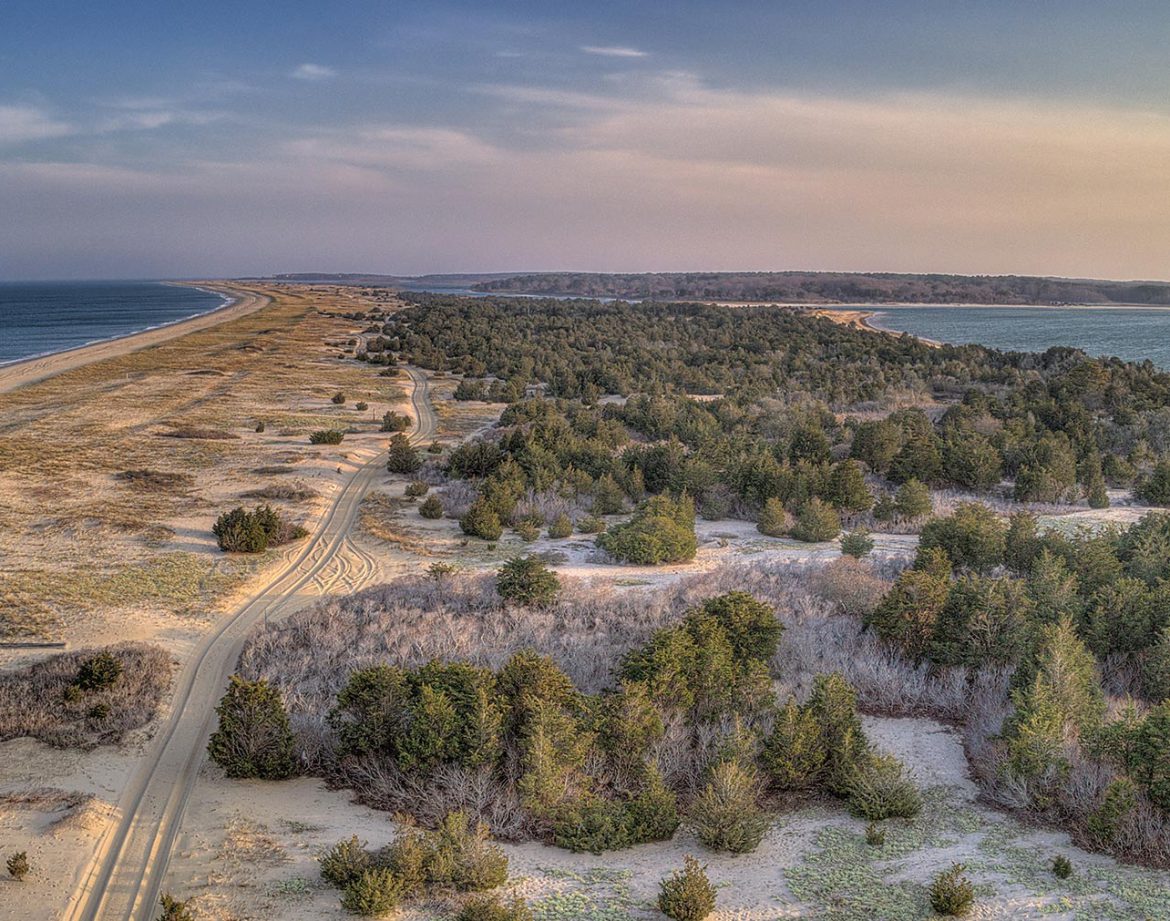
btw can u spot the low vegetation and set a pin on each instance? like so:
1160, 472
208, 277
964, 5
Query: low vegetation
687, 894
86, 698
326, 437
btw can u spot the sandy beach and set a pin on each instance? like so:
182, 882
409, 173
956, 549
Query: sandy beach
30, 371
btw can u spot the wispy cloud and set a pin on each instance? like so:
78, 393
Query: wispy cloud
313, 72
19, 124
615, 51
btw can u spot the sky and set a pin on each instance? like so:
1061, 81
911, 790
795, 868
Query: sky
163, 140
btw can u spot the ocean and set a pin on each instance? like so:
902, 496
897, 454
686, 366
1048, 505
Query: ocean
1132, 333
41, 317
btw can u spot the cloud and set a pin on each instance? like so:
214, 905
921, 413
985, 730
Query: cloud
19, 124
614, 51
313, 72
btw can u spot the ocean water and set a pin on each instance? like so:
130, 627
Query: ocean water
1132, 333
41, 317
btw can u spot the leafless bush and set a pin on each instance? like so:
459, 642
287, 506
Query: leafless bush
195, 431
547, 505
38, 701
457, 498
155, 480
290, 492
850, 586
431, 473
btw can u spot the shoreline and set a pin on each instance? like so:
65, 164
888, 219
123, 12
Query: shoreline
238, 301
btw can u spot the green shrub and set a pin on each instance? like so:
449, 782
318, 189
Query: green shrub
687, 894
18, 865
662, 530
408, 857
253, 738
361, 406
725, 814
561, 527
880, 789
1116, 806
816, 522
794, 752
912, 499
528, 530
653, 814
432, 507
857, 543
326, 437
1062, 867
527, 580
774, 519
490, 908
591, 824
344, 862
608, 497
374, 892
751, 626
973, 537
591, 524
395, 422
239, 531
481, 521
402, 456
434, 448
875, 836
260, 427
951, 893
833, 704
174, 910
463, 858
416, 489
337, 399
98, 672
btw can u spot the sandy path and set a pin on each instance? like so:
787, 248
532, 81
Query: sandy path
32, 370
124, 878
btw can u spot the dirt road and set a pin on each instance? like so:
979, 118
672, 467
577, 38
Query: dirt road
123, 880
32, 370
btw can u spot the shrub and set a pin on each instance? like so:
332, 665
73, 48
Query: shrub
432, 507
662, 530
973, 537
326, 437
592, 824
402, 456
344, 862
912, 500
561, 527
174, 910
260, 427
253, 738
463, 857
794, 752
526, 580
1062, 867
857, 543
375, 892
725, 814
98, 672
687, 894
238, 531
527, 530
951, 893
408, 857
416, 488
481, 521
434, 448
490, 908
816, 522
591, 524
337, 399
18, 865
833, 704
361, 406
774, 519
880, 789
395, 422
875, 836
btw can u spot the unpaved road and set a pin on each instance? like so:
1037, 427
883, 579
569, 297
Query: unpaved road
33, 370
123, 881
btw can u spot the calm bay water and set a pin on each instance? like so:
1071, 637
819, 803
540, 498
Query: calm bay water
41, 317
1132, 333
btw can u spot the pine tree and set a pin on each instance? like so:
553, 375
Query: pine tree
253, 738
402, 456
794, 754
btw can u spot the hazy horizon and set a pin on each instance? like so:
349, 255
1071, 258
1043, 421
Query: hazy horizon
942, 137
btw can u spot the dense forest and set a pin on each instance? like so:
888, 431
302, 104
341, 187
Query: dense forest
798, 412
834, 287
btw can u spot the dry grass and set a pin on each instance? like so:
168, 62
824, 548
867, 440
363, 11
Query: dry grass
155, 480
287, 492
37, 701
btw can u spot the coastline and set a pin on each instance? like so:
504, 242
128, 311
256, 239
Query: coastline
239, 302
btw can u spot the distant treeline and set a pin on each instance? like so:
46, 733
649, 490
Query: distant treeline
834, 287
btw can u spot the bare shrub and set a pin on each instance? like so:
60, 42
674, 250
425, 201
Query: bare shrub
458, 497
155, 480
44, 702
290, 492
199, 432
851, 586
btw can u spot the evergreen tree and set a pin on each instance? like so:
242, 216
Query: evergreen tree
253, 738
402, 456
